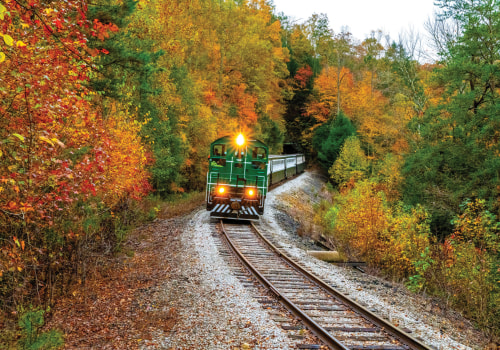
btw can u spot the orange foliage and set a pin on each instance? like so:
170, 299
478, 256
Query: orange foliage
433, 90
378, 125
245, 103
327, 87
234, 53
364, 103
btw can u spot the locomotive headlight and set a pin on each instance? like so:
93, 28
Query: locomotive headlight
251, 192
221, 190
240, 140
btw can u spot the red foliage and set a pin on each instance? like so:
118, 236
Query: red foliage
303, 76
57, 150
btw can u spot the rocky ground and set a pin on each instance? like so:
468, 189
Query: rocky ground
178, 292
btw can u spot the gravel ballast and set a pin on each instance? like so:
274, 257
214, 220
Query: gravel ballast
215, 310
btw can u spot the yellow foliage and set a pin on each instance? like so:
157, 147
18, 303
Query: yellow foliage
364, 225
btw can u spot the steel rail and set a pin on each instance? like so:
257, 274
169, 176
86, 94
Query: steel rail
319, 331
394, 331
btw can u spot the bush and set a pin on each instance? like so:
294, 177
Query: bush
472, 269
30, 322
464, 269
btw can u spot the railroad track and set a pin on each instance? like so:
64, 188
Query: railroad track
337, 321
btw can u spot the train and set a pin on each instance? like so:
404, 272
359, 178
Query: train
239, 174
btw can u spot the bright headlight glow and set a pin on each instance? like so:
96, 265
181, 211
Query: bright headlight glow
251, 192
221, 190
240, 140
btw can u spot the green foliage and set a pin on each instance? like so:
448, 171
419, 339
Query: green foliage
417, 282
269, 132
406, 69
477, 225
118, 53
30, 322
352, 162
128, 75
329, 138
449, 166
189, 119
303, 66
166, 147
457, 154
299, 46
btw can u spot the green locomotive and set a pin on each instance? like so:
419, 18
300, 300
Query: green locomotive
239, 173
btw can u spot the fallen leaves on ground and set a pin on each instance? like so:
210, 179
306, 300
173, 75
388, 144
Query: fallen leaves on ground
118, 307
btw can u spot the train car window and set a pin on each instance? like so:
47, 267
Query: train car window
219, 150
259, 153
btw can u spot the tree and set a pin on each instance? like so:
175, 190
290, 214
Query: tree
370, 51
303, 66
319, 34
457, 155
340, 58
64, 164
128, 73
329, 138
407, 69
352, 162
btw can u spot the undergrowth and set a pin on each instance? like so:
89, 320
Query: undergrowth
76, 246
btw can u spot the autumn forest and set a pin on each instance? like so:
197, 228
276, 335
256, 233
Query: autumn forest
108, 107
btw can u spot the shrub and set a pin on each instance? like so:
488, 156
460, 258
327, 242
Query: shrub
472, 270
407, 241
464, 269
30, 322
